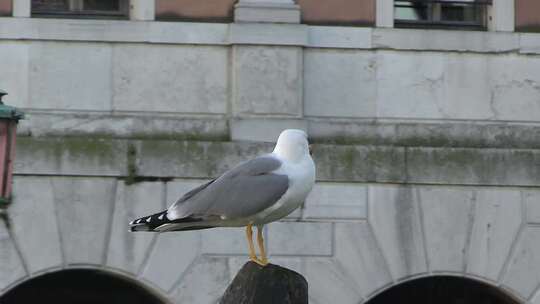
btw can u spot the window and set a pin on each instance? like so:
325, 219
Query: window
471, 14
80, 8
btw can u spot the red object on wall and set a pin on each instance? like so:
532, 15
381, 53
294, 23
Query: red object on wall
9, 117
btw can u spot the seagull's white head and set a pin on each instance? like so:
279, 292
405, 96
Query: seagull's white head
292, 145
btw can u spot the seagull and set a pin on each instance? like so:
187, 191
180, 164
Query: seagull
254, 193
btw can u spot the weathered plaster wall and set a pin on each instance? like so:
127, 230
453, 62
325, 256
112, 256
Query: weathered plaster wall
426, 149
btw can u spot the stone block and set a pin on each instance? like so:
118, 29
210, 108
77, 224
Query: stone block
410, 85
267, 80
466, 87
167, 78
268, 34
434, 85
336, 201
524, 265
384, 11
502, 16
171, 256
531, 199
360, 258
11, 264
263, 129
267, 11
225, 241
339, 37
328, 283
34, 224
448, 216
14, 58
126, 250
497, 219
70, 76
529, 43
84, 210
515, 87
340, 83
142, 10
204, 282
300, 238
71, 156
394, 215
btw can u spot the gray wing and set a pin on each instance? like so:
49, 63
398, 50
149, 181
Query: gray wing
240, 192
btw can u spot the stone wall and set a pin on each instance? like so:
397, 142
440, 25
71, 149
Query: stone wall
426, 151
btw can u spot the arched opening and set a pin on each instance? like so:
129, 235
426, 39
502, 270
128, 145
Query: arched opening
443, 290
79, 286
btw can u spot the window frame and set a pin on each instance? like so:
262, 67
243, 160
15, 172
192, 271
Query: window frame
482, 24
76, 10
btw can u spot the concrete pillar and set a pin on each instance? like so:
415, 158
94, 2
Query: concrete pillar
21, 8
271, 11
142, 10
384, 13
501, 16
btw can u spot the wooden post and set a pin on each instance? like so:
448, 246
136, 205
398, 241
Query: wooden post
271, 284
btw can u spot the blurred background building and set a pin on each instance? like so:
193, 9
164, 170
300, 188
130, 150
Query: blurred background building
425, 117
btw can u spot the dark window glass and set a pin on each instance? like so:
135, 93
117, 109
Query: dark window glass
80, 7
50, 5
101, 5
441, 13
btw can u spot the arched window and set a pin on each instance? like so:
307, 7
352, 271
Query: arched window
79, 286
443, 290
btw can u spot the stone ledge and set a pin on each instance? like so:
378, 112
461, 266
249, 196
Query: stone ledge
135, 125
443, 40
139, 160
272, 12
368, 131
300, 34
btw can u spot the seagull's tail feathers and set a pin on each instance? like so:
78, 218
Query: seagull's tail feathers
159, 222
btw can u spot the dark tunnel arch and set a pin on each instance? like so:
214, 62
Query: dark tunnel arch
80, 286
443, 290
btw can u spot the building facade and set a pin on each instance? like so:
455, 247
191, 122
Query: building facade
425, 119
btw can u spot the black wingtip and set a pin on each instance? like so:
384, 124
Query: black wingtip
149, 223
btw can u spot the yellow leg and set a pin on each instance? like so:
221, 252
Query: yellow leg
252, 255
260, 241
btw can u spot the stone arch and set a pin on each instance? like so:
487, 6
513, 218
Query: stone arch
81, 285
444, 289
